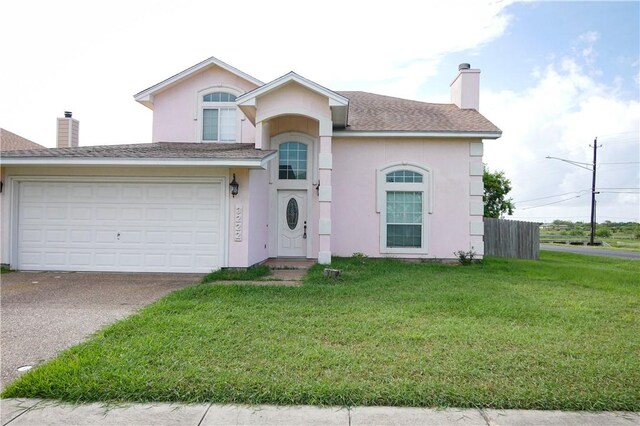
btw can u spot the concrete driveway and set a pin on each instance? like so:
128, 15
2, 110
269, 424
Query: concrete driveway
42, 313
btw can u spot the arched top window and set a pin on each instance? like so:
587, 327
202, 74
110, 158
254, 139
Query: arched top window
403, 200
292, 162
218, 121
219, 97
404, 176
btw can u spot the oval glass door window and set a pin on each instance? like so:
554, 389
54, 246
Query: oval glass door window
292, 213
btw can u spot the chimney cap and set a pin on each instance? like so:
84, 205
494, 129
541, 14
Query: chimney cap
464, 66
68, 114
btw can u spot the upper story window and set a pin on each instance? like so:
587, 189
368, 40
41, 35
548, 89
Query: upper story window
219, 117
292, 162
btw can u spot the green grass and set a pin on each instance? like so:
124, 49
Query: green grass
249, 274
561, 333
4, 270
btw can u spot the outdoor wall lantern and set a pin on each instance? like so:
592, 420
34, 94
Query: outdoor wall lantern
318, 188
234, 186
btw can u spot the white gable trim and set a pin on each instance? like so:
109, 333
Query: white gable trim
146, 96
249, 98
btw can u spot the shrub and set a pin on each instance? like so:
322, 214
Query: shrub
465, 257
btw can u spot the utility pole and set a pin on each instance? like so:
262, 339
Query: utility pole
593, 193
592, 168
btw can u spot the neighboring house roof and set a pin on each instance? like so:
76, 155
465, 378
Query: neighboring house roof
159, 153
10, 142
145, 97
369, 112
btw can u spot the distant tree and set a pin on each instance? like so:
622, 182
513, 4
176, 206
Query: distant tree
496, 189
603, 232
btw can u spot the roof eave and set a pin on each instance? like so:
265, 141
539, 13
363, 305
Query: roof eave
253, 163
415, 134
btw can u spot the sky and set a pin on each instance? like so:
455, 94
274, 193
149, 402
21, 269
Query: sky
555, 75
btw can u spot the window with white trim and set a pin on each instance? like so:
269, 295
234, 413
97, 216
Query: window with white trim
292, 161
218, 117
403, 201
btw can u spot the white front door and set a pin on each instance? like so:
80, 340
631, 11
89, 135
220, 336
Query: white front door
292, 223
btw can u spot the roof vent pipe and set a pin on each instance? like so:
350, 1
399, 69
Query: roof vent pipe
464, 66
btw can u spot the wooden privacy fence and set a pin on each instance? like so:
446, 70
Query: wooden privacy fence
511, 238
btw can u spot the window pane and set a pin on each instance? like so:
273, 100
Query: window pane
210, 124
404, 236
404, 176
227, 124
292, 163
219, 97
404, 207
404, 219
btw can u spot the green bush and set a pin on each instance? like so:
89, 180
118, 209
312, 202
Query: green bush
603, 232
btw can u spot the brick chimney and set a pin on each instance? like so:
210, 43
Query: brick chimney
465, 88
68, 131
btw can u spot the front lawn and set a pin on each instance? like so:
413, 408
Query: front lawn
561, 333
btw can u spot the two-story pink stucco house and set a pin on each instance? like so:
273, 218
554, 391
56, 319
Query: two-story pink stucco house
240, 171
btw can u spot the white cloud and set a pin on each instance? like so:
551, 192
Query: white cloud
92, 57
589, 37
560, 116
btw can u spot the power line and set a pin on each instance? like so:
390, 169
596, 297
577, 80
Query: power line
555, 202
622, 162
619, 192
550, 196
598, 189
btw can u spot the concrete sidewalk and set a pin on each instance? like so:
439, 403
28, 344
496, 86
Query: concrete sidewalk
41, 412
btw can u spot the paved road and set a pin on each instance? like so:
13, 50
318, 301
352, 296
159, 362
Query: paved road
44, 313
593, 251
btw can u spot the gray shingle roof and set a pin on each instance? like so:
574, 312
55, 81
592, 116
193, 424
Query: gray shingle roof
371, 112
179, 150
9, 141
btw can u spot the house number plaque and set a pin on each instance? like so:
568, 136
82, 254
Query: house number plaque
237, 224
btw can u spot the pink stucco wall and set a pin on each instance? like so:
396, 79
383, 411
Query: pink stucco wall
175, 110
355, 222
239, 250
258, 230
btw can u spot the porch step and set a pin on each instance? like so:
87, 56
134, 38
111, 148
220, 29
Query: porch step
289, 264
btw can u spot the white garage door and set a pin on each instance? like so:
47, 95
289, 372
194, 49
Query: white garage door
120, 226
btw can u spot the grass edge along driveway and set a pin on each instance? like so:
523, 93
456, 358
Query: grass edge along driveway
560, 333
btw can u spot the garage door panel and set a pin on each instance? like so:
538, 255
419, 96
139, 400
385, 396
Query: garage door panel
55, 236
80, 212
81, 191
80, 259
154, 213
80, 236
120, 226
107, 192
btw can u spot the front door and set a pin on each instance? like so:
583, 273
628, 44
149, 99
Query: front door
292, 223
